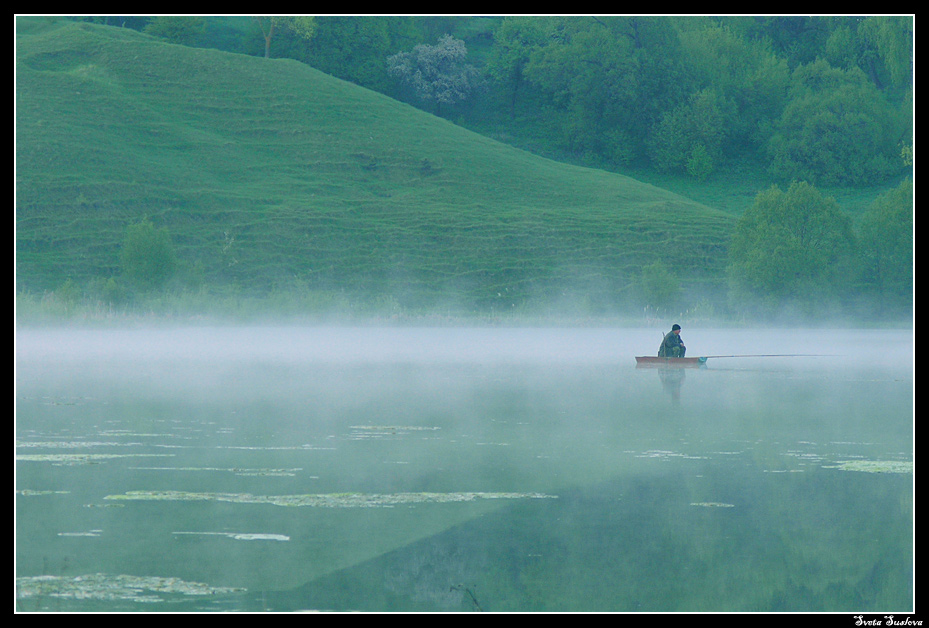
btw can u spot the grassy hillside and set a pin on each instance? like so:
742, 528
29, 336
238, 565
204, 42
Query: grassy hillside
271, 176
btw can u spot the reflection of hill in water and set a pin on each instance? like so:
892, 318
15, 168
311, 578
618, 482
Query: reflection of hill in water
751, 466
640, 544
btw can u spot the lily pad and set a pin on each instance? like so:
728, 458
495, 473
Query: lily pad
32, 493
234, 470
112, 587
80, 444
242, 536
330, 500
70, 459
873, 466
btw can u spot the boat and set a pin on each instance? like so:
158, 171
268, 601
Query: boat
641, 360
672, 362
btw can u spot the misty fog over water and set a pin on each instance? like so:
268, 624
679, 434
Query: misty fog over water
300, 346
460, 469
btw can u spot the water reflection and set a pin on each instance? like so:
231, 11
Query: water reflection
488, 470
638, 544
672, 380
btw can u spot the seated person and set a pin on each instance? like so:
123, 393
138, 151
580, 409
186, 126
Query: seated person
672, 346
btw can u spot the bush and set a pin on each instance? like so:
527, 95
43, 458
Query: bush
700, 164
659, 288
147, 258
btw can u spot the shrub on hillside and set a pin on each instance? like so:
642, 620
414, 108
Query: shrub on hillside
147, 258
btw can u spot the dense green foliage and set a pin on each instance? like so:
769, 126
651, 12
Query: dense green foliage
887, 249
273, 178
846, 133
788, 250
795, 251
147, 258
627, 89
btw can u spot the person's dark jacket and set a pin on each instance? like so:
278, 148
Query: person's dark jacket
672, 346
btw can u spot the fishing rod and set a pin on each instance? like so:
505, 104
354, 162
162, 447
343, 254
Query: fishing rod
773, 355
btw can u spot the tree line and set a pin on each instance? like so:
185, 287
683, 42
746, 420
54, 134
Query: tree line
795, 252
831, 103
827, 99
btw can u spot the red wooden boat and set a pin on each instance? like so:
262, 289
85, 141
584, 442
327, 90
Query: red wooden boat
672, 362
701, 361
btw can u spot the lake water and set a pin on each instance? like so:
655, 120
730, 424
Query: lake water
365, 469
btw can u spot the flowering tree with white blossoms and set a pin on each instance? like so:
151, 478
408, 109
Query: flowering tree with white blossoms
437, 74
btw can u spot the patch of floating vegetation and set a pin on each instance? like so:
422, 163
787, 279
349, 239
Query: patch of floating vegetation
713, 504
127, 433
63, 401
79, 444
872, 466
241, 536
330, 500
74, 459
26, 492
395, 428
661, 454
280, 448
236, 471
658, 453
362, 432
109, 587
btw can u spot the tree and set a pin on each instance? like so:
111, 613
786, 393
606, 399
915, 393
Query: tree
790, 250
886, 235
837, 129
147, 257
177, 29
892, 39
691, 136
797, 38
354, 48
748, 81
303, 26
608, 80
437, 74
516, 40
660, 289
700, 164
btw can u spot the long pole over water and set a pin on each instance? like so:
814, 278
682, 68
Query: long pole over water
772, 355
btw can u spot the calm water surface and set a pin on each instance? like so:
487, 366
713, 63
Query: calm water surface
282, 469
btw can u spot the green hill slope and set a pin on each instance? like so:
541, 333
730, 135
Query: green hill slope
270, 175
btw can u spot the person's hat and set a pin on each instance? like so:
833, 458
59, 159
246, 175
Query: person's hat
675, 326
